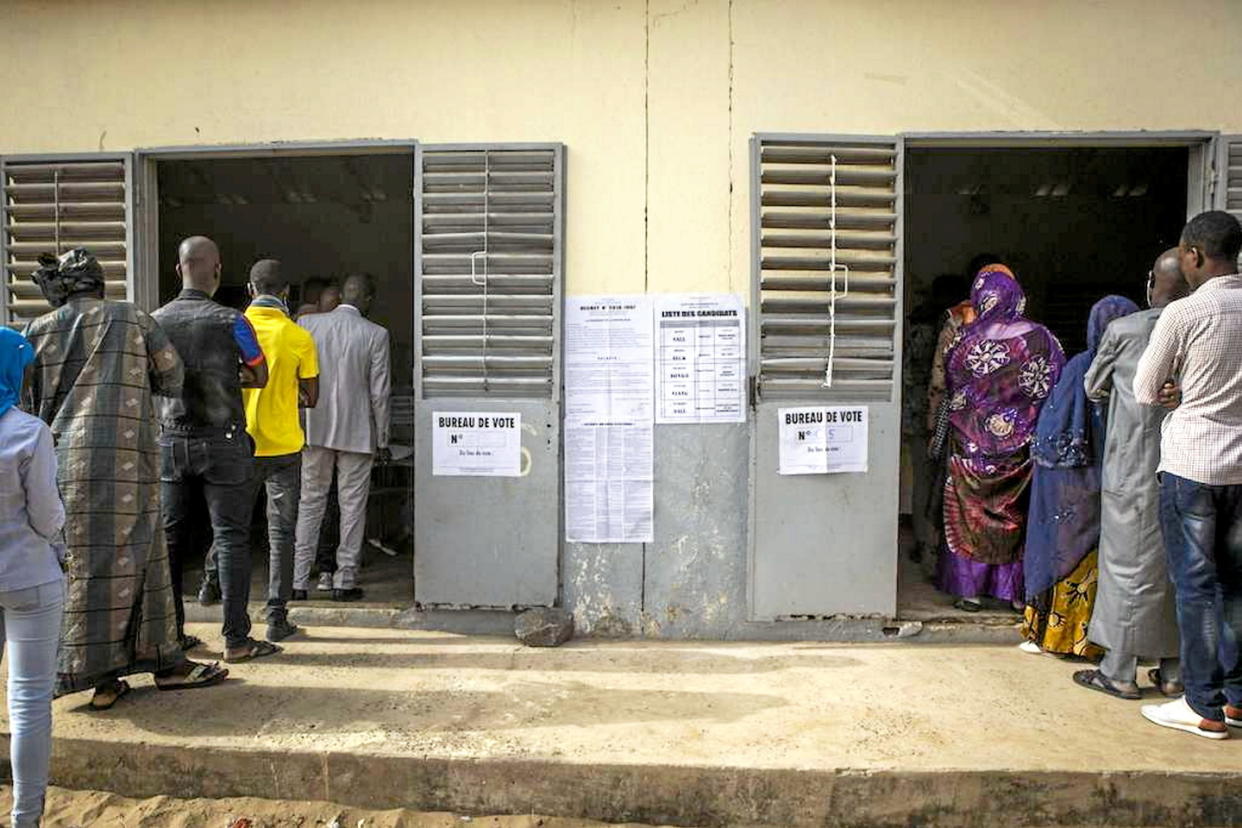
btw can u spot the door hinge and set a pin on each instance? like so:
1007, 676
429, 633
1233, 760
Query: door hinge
752, 383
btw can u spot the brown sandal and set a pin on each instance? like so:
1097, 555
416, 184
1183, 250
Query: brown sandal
199, 675
254, 648
117, 689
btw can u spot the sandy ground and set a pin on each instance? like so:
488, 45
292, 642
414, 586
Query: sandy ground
804, 705
79, 809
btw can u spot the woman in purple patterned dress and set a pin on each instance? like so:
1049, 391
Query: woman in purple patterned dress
999, 374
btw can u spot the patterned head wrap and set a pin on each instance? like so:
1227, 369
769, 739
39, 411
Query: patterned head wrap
74, 272
996, 295
1104, 312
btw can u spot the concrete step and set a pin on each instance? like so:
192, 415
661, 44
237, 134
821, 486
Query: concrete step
922, 628
658, 794
683, 733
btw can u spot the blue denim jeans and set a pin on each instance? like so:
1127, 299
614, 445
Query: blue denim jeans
1202, 528
30, 624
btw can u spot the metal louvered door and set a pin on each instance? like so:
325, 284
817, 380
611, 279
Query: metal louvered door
54, 204
488, 243
1229, 175
825, 544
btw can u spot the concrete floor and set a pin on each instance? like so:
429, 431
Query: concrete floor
800, 706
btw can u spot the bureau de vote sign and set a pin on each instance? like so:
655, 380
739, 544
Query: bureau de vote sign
818, 439
476, 443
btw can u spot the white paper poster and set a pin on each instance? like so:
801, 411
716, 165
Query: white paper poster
700, 358
823, 439
609, 407
476, 443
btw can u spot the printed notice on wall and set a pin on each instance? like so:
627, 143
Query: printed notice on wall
700, 358
476, 444
823, 439
609, 406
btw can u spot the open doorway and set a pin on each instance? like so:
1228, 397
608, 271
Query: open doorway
1074, 223
323, 216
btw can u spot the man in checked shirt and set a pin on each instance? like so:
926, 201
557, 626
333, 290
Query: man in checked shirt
1193, 365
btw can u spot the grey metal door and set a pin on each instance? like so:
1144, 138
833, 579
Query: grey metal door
487, 320
825, 544
52, 204
1228, 184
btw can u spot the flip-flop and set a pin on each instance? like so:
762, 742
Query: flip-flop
963, 605
254, 649
1157, 678
122, 688
189, 642
203, 675
1095, 680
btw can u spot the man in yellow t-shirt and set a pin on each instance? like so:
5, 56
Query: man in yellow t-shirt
273, 422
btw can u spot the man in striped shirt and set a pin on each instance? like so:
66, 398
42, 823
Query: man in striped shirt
1193, 365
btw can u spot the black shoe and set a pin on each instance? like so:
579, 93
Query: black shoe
351, 594
298, 595
281, 629
209, 592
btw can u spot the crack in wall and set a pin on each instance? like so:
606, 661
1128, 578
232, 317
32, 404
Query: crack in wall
642, 584
729, 257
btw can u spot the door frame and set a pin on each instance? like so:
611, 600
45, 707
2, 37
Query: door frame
1204, 146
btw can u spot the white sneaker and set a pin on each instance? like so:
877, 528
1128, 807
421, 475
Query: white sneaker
325, 582
1178, 715
1030, 647
379, 544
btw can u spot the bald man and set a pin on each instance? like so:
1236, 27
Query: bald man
205, 450
1134, 613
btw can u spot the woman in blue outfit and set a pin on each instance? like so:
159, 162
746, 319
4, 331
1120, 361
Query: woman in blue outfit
1063, 529
32, 586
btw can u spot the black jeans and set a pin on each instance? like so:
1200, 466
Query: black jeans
1202, 528
281, 476
218, 466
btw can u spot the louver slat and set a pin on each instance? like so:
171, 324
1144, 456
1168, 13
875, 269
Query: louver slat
52, 207
1229, 184
487, 273
795, 326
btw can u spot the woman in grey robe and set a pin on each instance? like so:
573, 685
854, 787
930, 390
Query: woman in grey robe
1134, 612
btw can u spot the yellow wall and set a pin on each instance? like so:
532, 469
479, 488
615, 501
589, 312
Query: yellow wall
655, 99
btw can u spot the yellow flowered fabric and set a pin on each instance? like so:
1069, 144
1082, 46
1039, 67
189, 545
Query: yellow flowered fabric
1059, 623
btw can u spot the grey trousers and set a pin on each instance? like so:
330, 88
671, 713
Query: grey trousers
353, 485
1122, 668
281, 478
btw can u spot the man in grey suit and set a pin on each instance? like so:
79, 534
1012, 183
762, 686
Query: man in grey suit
1134, 615
344, 432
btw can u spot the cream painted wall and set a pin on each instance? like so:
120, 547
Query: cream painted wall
655, 99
